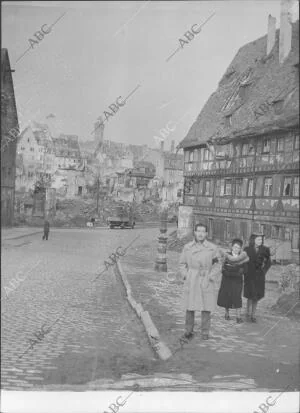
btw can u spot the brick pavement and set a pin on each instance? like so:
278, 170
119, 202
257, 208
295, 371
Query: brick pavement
97, 337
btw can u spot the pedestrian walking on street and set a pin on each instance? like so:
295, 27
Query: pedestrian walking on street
46, 229
254, 280
199, 273
233, 269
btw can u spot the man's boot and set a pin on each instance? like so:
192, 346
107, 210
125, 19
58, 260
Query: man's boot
189, 324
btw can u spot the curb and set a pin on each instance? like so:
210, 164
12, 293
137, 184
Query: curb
22, 236
161, 349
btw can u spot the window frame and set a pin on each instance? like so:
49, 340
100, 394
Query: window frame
263, 143
225, 186
250, 180
240, 180
210, 187
287, 230
222, 187
296, 139
291, 186
295, 186
206, 155
244, 145
251, 145
281, 139
264, 185
272, 231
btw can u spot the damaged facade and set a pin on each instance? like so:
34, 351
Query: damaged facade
241, 156
172, 190
133, 184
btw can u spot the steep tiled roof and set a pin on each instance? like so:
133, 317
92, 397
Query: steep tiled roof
252, 79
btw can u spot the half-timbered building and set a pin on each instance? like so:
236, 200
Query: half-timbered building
241, 155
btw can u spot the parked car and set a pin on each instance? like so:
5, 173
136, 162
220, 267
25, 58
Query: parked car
121, 219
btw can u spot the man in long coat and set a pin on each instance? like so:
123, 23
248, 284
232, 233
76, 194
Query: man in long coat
199, 270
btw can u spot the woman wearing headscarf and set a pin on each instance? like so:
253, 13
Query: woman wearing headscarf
233, 269
254, 280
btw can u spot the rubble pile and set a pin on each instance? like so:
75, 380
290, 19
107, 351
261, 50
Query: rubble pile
77, 212
148, 211
289, 287
74, 212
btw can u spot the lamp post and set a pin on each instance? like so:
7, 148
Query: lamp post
161, 258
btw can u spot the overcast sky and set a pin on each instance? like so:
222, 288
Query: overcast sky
99, 51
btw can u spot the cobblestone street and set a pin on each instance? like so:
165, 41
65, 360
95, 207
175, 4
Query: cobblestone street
98, 335
93, 338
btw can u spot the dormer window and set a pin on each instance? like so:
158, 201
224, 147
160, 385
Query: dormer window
278, 106
228, 120
241, 82
244, 88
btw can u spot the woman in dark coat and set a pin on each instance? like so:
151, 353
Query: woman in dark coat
233, 269
254, 281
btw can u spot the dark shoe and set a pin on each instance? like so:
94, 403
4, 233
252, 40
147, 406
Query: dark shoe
205, 337
227, 317
253, 319
239, 320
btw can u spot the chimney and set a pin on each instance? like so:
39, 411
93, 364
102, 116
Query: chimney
162, 146
172, 146
285, 36
271, 33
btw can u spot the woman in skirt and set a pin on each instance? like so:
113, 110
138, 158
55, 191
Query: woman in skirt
233, 269
254, 282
